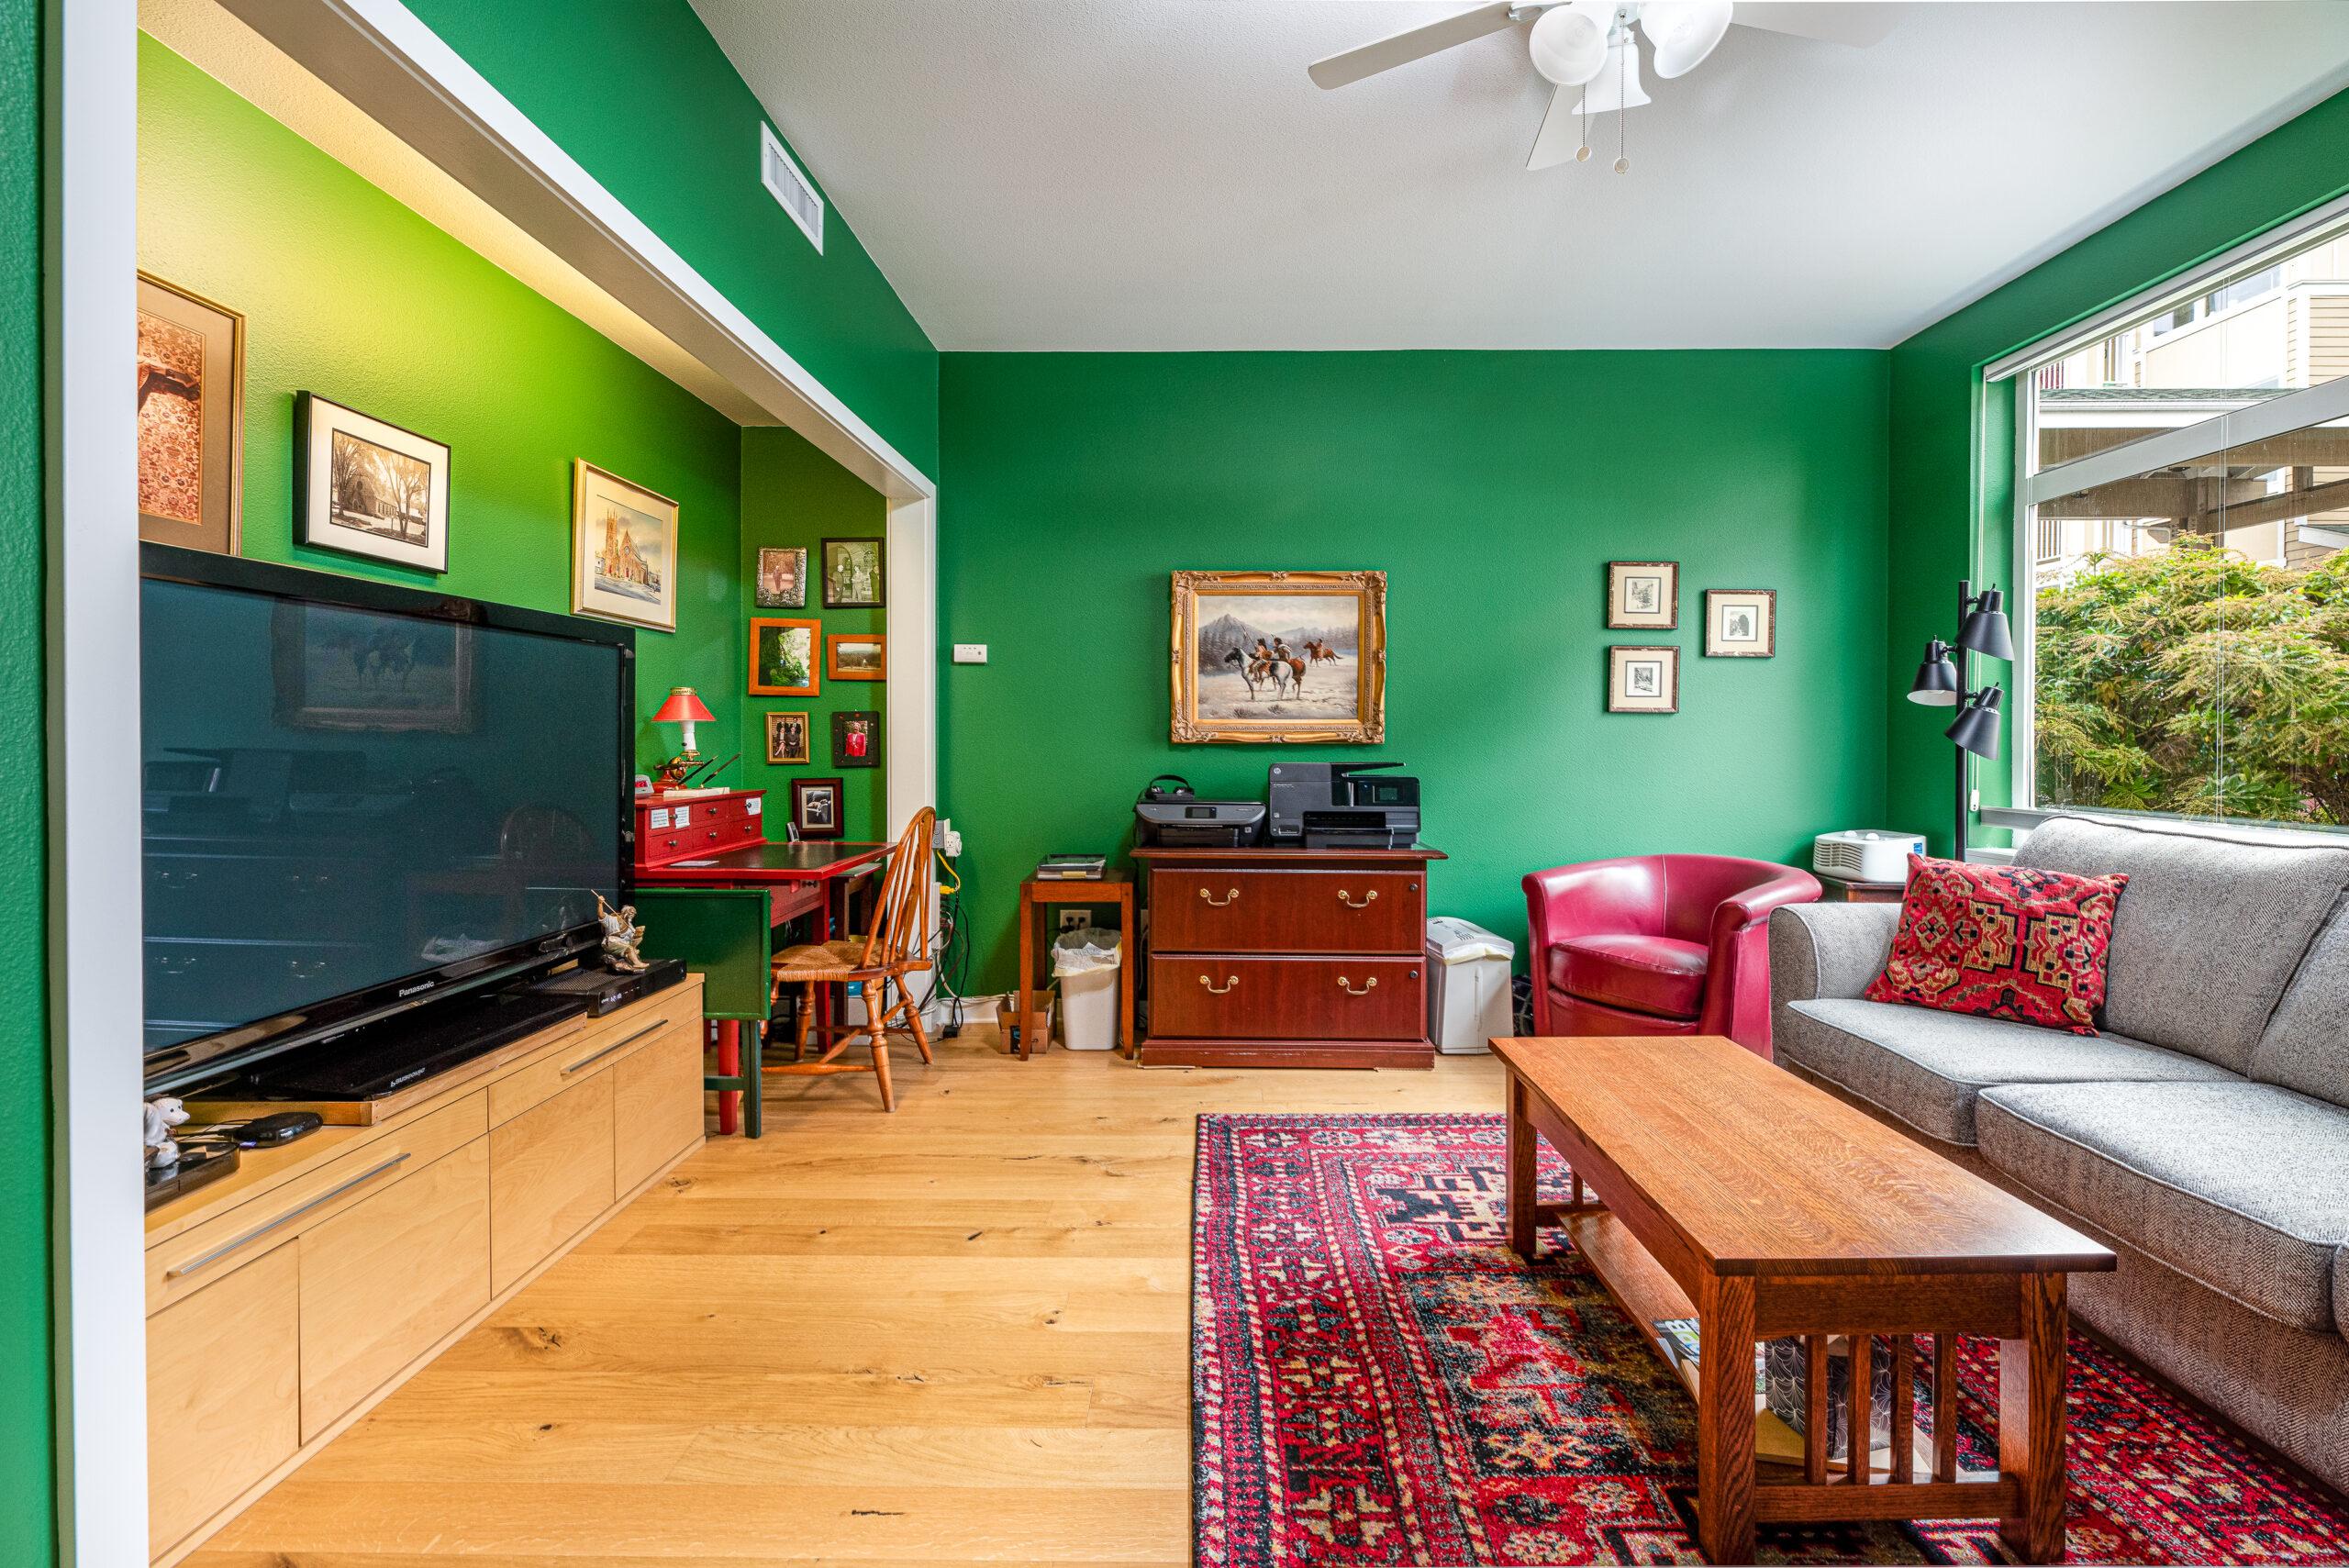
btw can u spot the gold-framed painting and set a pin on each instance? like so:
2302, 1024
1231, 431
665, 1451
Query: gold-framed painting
191, 419
1280, 657
623, 549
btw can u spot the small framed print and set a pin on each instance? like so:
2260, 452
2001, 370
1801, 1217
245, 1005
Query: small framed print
787, 739
856, 656
1644, 595
782, 657
782, 582
856, 740
816, 807
852, 575
1642, 680
366, 488
1741, 623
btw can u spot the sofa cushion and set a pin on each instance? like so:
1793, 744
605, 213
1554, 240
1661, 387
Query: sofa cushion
2244, 909
1926, 1067
2307, 1043
2018, 942
1640, 975
2237, 1185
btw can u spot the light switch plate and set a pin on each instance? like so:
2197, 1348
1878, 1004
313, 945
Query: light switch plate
970, 653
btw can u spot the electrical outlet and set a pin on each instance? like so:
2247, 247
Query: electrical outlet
1074, 919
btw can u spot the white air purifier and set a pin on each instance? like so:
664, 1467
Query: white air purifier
1865, 854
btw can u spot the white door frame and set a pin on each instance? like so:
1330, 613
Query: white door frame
377, 54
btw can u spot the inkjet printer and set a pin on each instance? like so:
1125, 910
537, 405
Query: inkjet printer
1171, 814
1329, 805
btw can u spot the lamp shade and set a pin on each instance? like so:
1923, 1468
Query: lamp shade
1617, 86
1569, 43
1977, 728
1985, 630
683, 707
1684, 32
1936, 682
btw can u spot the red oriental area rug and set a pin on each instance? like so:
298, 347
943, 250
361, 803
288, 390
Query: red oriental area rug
1377, 1380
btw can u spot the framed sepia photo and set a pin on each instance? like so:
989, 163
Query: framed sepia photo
1741, 623
364, 487
1643, 595
1281, 657
623, 549
787, 739
1642, 680
852, 575
816, 807
856, 740
856, 656
782, 657
191, 419
782, 581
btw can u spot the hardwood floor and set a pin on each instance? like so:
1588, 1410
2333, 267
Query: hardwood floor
956, 1334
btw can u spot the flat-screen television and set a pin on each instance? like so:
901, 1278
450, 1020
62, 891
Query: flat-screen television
360, 799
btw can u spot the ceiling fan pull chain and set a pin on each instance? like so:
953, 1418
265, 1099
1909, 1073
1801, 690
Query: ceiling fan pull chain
1623, 110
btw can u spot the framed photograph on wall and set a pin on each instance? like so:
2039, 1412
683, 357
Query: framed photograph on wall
623, 549
191, 419
782, 657
782, 582
816, 807
1283, 657
852, 575
787, 739
1642, 680
856, 656
1643, 595
1741, 623
856, 740
364, 487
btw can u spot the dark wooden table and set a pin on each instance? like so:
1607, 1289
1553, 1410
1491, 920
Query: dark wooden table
1110, 887
1837, 890
1731, 1192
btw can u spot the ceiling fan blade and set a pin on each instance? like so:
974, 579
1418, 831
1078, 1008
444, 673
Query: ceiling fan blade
1555, 143
1403, 48
1859, 23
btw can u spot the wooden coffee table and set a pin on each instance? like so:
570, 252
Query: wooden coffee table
1731, 1192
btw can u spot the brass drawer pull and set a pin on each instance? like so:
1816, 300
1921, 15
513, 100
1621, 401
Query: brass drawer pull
260, 1231
1367, 899
1219, 903
1367, 986
1213, 989
599, 1055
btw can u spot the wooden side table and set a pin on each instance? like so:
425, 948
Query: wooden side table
1110, 887
1835, 890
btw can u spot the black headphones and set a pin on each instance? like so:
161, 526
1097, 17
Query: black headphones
1182, 790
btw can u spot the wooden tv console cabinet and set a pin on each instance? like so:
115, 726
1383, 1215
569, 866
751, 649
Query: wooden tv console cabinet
1287, 958
284, 1300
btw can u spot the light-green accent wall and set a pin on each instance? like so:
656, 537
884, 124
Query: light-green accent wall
1953, 439
27, 1481
793, 495
643, 97
349, 294
1492, 488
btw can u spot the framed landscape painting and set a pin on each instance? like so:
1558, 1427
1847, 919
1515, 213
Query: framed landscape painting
623, 549
364, 487
856, 656
782, 657
191, 419
1279, 656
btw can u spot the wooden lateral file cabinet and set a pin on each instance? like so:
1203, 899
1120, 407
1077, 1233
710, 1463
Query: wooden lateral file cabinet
286, 1299
1287, 958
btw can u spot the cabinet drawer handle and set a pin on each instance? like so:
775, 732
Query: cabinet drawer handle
599, 1055
1213, 989
259, 1231
1367, 986
1367, 899
1219, 903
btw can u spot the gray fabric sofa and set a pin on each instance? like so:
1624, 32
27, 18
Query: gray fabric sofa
2204, 1135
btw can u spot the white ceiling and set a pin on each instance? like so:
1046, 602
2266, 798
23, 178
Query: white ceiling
1159, 175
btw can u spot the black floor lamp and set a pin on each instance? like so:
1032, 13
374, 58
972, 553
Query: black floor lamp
1982, 628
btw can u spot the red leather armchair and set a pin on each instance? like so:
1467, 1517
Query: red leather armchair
1658, 944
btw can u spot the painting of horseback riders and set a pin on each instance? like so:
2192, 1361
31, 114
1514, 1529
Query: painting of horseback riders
1279, 656
338, 669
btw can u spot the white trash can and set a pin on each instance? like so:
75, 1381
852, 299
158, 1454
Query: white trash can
1085, 964
1468, 995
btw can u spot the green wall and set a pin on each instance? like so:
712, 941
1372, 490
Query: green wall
1953, 443
349, 294
793, 495
1492, 488
26, 1495
642, 97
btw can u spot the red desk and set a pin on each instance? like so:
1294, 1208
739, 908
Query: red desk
810, 877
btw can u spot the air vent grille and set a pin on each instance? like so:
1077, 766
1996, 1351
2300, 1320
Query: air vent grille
789, 185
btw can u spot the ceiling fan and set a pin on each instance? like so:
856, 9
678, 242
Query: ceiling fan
1589, 45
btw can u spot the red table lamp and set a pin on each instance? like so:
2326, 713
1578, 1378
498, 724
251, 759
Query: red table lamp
683, 707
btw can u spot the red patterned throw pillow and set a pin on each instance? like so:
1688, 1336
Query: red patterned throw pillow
2002, 942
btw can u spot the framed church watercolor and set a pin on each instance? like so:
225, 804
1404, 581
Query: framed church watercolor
624, 549
1286, 657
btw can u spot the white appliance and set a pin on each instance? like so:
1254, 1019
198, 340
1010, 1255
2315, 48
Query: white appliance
1468, 995
1865, 854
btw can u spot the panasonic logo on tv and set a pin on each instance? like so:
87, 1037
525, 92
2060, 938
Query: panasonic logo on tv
414, 989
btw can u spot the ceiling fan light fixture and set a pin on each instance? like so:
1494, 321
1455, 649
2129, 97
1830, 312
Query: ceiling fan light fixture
1568, 43
1616, 87
1683, 32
